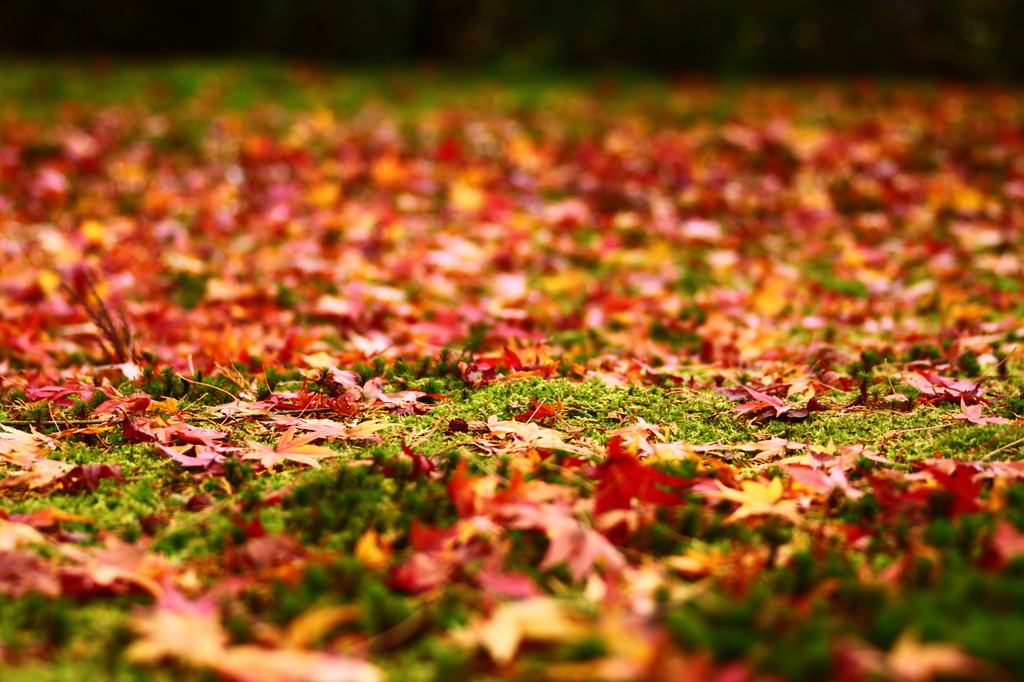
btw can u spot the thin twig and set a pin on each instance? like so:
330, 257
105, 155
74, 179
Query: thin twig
216, 388
270, 415
1019, 441
862, 410
399, 632
117, 333
984, 375
919, 428
259, 416
54, 422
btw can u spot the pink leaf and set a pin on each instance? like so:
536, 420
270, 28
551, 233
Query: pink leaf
972, 413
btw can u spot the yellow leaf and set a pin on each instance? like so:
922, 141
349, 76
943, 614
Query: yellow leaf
96, 233
258, 664
697, 562
466, 196
523, 152
915, 661
371, 551
48, 280
310, 626
772, 297
192, 635
538, 620
366, 429
759, 499
166, 405
319, 360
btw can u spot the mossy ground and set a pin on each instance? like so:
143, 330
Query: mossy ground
198, 521
669, 257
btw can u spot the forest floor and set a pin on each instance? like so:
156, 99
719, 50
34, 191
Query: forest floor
323, 376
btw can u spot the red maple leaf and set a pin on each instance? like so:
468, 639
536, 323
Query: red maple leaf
470, 494
895, 500
540, 411
512, 360
959, 480
478, 374
137, 430
442, 553
87, 476
622, 479
193, 434
136, 403
420, 463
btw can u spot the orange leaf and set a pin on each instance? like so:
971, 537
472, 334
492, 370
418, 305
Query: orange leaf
290, 448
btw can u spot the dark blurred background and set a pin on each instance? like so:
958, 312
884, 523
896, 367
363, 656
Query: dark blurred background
974, 39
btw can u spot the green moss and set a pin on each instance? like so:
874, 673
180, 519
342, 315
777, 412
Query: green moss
968, 441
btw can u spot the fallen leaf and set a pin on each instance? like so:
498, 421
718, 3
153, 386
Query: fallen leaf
20, 448
371, 550
23, 573
289, 448
758, 499
539, 620
316, 623
972, 413
622, 479
912, 660
188, 631
191, 633
570, 540
540, 411
260, 664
